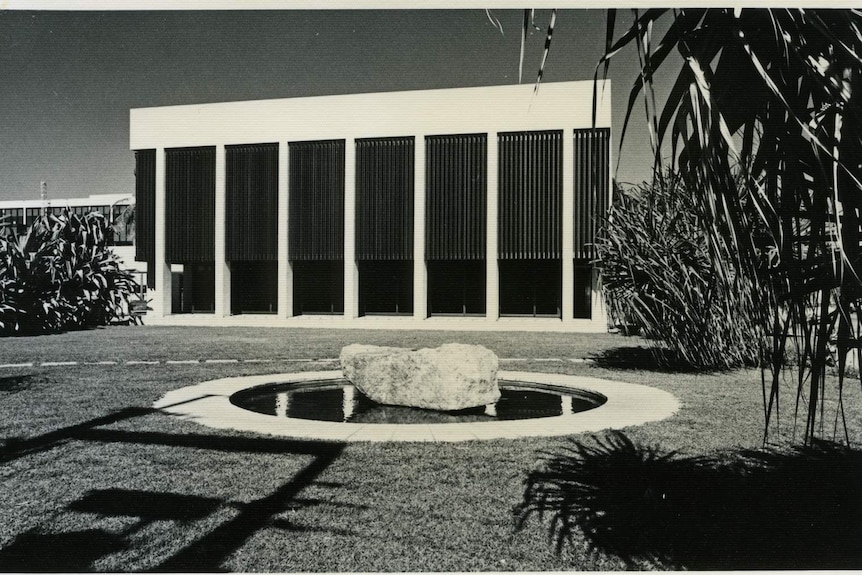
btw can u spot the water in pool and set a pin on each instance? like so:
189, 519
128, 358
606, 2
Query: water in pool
337, 400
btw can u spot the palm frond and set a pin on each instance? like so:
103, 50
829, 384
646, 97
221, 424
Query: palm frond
772, 94
546, 50
495, 22
524, 31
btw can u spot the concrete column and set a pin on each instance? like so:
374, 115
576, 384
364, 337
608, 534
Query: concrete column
420, 271
351, 270
492, 275
285, 272
222, 267
162, 295
568, 239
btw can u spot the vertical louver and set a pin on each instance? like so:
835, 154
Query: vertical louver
530, 176
455, 182
12, 222
316, 192
190, 204
384, 199
251, 210
145, 205
592, 156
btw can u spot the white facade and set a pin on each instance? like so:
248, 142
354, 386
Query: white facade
564, 106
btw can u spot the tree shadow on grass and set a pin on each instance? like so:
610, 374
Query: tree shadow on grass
765, 509
36, 332
641, 359
37, 550
59, 552
148, 506
14, 383
16, 447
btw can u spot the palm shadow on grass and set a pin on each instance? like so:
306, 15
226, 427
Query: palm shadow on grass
757, 509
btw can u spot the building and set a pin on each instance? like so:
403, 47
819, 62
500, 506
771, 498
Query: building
17, 215
470, 208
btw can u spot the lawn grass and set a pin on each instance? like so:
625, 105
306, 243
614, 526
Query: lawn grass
93, 479
141, 343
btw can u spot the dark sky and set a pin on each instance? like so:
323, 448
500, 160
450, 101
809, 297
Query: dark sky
68, 79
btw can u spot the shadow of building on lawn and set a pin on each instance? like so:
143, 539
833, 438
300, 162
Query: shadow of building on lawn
761, 509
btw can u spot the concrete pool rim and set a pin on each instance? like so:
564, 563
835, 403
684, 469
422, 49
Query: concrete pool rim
208, 403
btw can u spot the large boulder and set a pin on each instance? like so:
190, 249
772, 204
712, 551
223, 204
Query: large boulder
451, 377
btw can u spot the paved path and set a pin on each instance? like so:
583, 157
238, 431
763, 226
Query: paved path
163, 362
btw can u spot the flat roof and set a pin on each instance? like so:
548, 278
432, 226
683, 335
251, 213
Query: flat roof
91, 200
486, 109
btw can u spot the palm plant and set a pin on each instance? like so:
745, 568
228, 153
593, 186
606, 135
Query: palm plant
61, 274
29, 300
775, 95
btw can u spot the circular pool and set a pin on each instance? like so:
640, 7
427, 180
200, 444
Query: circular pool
322, 405
338, 400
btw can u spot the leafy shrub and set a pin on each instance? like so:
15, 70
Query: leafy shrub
60, 275
660, 280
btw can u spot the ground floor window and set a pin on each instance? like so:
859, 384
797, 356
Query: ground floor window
318, 287
386, 287
195, 288
253, 287
151, 274
456, 287
531, 287
583, 289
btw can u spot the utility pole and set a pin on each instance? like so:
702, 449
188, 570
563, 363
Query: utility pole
43, 195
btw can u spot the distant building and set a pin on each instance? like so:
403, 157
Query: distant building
473, 208
17, 215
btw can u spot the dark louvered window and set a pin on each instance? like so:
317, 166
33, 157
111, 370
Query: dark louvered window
251, 210
316, 194
530, 172
592, 157
12, 222
384, 199
190, 204
455, 190
145, 205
